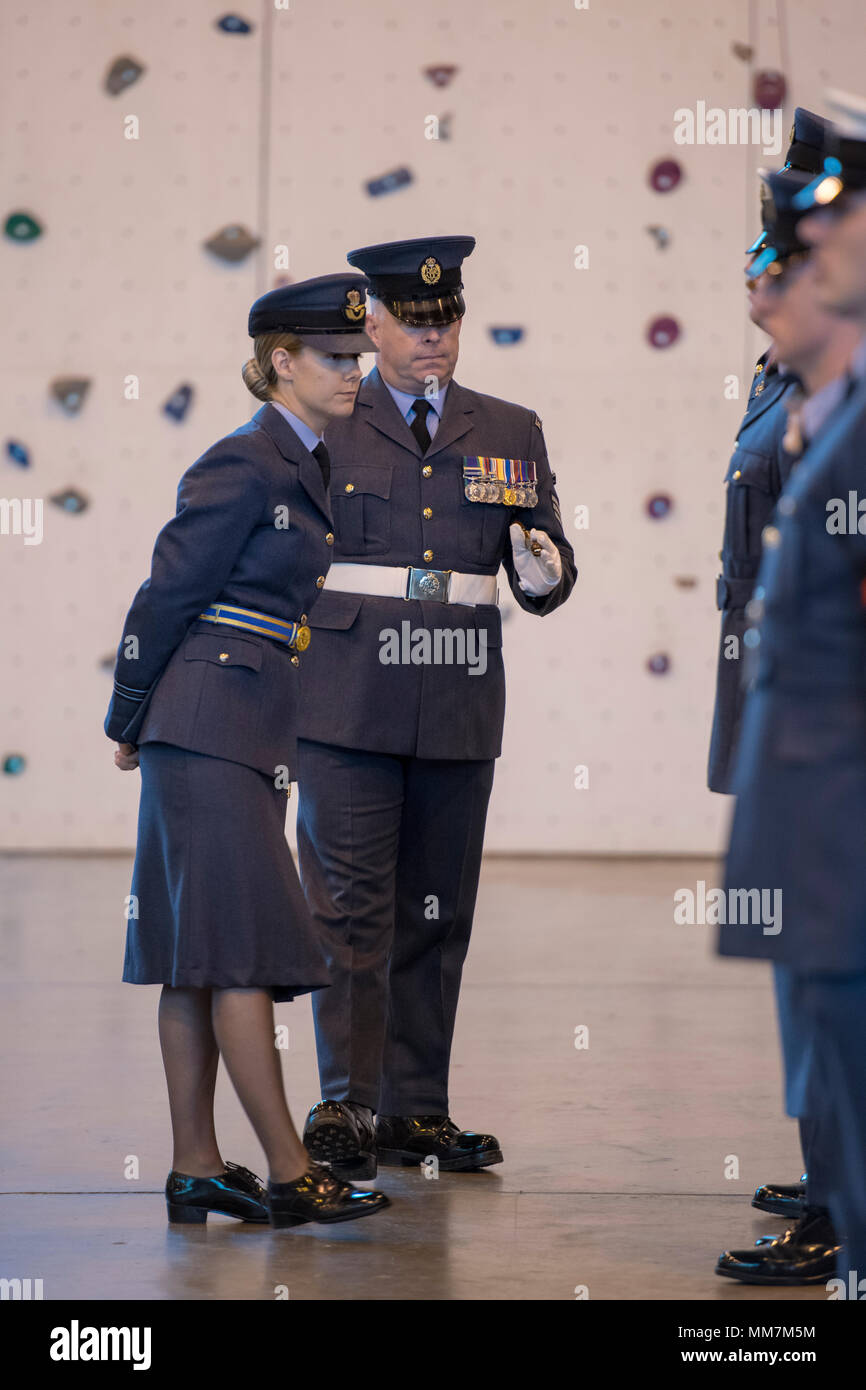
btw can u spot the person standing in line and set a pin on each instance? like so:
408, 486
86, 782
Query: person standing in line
800, 816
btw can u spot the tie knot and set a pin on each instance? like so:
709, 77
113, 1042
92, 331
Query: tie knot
320, 452
422, 407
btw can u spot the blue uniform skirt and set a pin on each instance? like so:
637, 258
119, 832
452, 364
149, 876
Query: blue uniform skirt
216, 899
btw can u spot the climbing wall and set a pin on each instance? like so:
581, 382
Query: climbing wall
164, 165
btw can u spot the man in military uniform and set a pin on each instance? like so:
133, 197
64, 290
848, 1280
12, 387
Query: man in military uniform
800, 817
433, 488
760, 464
758, 470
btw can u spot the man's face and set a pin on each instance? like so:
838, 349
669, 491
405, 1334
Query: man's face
409, 356
759, 295
837, 234
794, 316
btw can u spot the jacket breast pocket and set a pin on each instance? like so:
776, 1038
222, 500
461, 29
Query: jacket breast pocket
482, 530
752, 493
361, 507
223, 649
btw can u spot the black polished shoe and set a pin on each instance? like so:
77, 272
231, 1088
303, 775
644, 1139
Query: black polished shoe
409, 1139
782, 1199
320, 1196
805, 1254
234, 1192
340, 1132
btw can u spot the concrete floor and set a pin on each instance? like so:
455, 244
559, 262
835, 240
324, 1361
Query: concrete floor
616, 1154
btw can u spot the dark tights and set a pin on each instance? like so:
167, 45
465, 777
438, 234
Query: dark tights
196, 1028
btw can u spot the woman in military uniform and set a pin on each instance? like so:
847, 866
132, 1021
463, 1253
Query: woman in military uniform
204, 702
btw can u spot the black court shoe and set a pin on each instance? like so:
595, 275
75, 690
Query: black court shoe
409, 1139
234, 1192
319, 1195
341, 1134
805, 1254
782, 1199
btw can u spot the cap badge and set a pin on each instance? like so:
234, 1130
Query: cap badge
353, 309
431, 271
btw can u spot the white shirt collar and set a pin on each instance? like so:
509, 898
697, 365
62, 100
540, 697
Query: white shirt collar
405, 400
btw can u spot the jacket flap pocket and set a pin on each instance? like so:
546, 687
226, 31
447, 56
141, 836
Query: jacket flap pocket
335, 610
354, 479
750, 469
224, 649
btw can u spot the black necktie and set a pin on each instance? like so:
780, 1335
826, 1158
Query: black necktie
320, 454
419, 424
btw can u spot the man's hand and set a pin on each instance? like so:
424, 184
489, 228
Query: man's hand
536, 574
126, 757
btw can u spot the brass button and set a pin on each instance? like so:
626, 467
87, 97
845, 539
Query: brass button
759, 388
738, 473
320, 581
350, 487
296, 661
330, 538
759, 369
224, 656
427, 470
770, 537
428, 512
428, 555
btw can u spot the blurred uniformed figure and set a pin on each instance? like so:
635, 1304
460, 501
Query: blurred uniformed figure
760, 464
800, 818
768, 444
433, 487
816, 346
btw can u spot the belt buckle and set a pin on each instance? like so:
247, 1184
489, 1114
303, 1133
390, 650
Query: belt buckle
429, 584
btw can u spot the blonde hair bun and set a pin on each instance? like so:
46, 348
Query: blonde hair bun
255, 380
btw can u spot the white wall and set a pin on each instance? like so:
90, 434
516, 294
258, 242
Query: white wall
557, 115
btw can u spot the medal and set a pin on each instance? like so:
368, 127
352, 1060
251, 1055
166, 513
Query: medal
508, 482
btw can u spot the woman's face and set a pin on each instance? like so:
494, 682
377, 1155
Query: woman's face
325, 383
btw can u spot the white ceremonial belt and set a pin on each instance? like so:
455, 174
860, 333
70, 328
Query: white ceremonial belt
406, 581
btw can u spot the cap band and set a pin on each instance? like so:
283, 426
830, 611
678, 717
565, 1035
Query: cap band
426, 312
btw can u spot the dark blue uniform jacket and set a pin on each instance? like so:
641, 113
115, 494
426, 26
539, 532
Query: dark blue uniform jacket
381, 486
800, 817
251, 529
759, 469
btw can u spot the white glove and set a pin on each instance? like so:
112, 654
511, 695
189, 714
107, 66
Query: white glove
536, 574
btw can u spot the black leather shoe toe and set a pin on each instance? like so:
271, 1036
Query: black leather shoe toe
805, 1254
782, 1199
235, 1192
322, 1197
410, 1139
